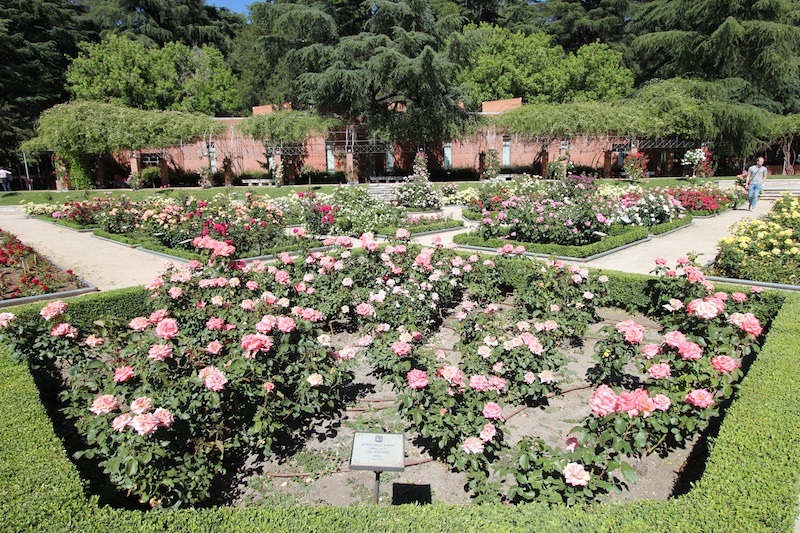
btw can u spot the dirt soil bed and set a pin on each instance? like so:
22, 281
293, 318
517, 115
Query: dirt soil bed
319, 474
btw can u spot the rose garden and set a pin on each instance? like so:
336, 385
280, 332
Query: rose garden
529, 390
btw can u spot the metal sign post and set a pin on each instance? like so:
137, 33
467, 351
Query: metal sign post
379, 452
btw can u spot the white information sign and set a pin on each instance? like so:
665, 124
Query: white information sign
379, 452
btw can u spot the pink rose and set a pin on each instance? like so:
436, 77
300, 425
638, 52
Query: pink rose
690, 351
661, 402
633, 332
635, 402
269, 386
604, 401
576, 475
53, 309
212, 378
158, 316
159, 352
530, 377
739, 297
417, 379
402, 233
724, 364
214, 347
705, 309
492, 411
547, 376
121, 422
365, 309
123, 374
659, 371
286, 324
472, 445
145, 424
6, 319
497, 383
488, 432
479, 383
64, 330
282, 277
746, 322
167, 328
141, 405
661, 261
401, 348
93, 341
699, 398
674, 338
650, 350
215, 323
164, 417
104, 404
175, 293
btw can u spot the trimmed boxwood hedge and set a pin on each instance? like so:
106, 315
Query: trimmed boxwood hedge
588, 250
422, 228
629, 235
750, 481
187, 254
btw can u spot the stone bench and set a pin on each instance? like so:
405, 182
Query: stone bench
258, 181
383, 191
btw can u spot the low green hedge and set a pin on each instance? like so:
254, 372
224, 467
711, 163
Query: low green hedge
751, 479
422, 228
188, 254
588, 250
66, 223
660, 229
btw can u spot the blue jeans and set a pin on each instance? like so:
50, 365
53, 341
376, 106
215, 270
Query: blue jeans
752, 194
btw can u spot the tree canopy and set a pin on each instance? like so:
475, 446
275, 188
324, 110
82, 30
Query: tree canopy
190, 22
503, 64
173, 77
753, 40
37, 37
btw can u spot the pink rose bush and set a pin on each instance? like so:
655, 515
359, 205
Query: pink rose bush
247, 349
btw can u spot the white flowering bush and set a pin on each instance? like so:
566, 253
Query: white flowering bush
357, 212
417, 192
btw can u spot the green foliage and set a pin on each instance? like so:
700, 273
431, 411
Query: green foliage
189, 22
395, 73
82, 129
286, 126
575, 23
609, 243
503, 64
758, 42
37, 38
134, 74
759, 426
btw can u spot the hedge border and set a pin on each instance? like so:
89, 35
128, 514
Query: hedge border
424, 228
750, 482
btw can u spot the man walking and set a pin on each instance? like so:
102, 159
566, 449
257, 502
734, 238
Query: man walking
5, 178
756, 177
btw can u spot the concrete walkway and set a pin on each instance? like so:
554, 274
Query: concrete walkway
111, 266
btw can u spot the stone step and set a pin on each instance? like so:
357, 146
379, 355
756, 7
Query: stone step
383, 191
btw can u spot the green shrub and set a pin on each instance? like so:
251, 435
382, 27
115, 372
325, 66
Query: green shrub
749, 484
609, 243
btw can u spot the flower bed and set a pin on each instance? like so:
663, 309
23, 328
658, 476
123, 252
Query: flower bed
421, 224
77, 215
24, 273
571, 212
757, 427
765, 249
234, 357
